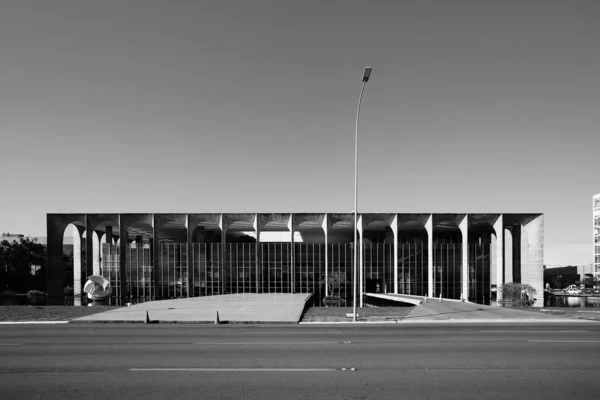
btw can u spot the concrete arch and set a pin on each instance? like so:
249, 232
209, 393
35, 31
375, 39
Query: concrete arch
55, 275
378, 254
101, 224
309, 228
340, 228
274, 228
205, 228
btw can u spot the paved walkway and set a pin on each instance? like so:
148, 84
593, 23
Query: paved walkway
456, 311
402, 298
234, 308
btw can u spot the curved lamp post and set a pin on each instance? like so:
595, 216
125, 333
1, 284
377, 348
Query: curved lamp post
365, 79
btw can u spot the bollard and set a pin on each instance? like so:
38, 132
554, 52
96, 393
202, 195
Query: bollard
217, 320
147, 318
440, 297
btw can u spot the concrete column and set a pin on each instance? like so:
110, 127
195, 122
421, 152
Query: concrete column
109, 235
516, 253
326, 232
429, 228
97, 250
508, 256
190, 253
156, 261
78, 282
493, 260
258, 265
464, 230
499, 251
395, 262
89, 250
123, 262
532, 259
292, 247
223, 266
360, 260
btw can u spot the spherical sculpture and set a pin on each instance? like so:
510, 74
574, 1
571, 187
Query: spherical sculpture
98, 289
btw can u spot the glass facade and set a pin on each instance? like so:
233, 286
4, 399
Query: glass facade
447, 269
238, 268
206, 267
140, 277
412, 266
479, 272
172, 270
378, 264
309, 270
341, 261
110, 270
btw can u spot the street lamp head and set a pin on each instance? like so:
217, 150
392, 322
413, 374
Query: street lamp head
367, 74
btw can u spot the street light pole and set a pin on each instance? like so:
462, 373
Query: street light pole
365, 79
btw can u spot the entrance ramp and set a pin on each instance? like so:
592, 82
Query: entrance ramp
231, 308
400, 298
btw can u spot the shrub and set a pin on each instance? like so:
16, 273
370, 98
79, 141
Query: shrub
518, 294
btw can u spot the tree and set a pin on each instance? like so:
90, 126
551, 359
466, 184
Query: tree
16, 262
335, 281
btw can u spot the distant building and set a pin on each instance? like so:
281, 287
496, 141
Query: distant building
596, 233
559, 277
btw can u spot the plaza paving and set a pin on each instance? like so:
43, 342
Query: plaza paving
232, 308
288, 308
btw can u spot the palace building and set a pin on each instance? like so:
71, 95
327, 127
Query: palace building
162, 256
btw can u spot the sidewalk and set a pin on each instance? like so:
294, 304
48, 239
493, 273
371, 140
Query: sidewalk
455, 311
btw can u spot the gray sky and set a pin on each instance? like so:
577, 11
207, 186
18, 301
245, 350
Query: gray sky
249, 106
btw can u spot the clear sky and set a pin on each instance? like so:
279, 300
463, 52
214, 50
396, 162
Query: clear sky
249, 106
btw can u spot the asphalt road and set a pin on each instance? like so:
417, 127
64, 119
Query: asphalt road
135, 361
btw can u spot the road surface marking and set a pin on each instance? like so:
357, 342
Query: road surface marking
261, 343
232, 369
11, 344
287, 333
564, 341
527, 331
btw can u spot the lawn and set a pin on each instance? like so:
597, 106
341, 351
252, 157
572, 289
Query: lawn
338, 314
48, 313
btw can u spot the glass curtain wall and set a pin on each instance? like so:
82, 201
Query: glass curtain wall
378, 266
207, 268
110, 270
240, 268
309, 269
479, 272
341, 262
276, 267
412, 266
447, 266
172, 273
140, 279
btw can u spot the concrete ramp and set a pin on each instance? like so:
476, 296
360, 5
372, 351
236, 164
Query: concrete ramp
401, 298
232, 308
434, 310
